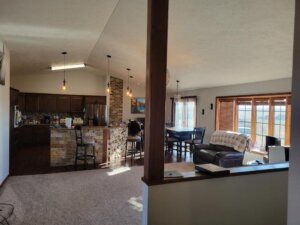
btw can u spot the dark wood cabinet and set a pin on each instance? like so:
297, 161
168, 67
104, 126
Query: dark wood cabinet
35, 135
63, 103
54, 103
76, 104
21, 101
47, 103
31, 102
41, 135
95, 100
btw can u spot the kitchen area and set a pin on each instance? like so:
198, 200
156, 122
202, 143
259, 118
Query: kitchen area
42, 135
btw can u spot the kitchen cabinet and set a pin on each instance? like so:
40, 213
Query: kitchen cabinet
76, 103
21, 102
63, 103
47, 103
35, 135
95, 100
54, 103
31, 102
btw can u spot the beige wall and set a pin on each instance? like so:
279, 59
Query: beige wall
79, 81
4, 118
138, 91
259, 199
208, 95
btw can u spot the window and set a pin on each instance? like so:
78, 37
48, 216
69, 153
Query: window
185, 112
244, 117
262, 122
256, 116
279, 118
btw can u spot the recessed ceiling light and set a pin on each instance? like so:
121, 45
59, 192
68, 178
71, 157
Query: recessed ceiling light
71, 66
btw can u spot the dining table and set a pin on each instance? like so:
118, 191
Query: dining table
181, 133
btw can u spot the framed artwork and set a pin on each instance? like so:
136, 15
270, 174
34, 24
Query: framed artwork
2, 72
137, 105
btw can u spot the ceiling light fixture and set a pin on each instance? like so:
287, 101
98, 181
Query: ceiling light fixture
128, 91
64, 87
108, 88
66, 67
177, 96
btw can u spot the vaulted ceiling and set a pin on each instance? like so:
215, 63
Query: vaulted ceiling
211, 42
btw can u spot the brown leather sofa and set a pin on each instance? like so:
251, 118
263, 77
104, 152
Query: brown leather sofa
225, 149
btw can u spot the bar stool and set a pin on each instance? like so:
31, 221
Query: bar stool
82, 147
134, 140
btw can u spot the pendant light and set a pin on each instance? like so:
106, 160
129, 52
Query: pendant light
64, 86
129, 90
177, 96
108, 88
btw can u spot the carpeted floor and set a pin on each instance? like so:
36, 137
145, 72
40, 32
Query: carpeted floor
89, 197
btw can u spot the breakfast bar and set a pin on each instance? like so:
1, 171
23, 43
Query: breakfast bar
109, 144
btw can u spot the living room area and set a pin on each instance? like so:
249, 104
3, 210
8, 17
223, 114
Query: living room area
218, 109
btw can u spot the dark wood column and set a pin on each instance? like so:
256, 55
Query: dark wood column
157, 40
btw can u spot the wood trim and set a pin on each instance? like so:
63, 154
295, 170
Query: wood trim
235, 116
288, 124
237, 171
217, 114
280, 94
156, 69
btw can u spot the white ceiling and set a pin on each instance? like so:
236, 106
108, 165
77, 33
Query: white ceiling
211, 42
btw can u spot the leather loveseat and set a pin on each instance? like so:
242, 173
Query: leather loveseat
225, 149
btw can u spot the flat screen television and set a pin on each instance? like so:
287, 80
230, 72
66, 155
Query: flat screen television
272, 141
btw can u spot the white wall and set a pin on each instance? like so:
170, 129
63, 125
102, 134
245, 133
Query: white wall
4, 119
79, 82
138, 91
208, 95
259, 199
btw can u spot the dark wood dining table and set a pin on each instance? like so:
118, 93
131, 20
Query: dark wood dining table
182, 133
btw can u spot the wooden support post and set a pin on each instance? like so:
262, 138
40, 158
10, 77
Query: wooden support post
157, 40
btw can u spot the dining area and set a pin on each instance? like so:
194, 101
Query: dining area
182, 139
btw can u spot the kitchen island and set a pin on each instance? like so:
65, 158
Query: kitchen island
110, 144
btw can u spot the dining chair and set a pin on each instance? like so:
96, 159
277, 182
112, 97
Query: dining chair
197, 138
171, 141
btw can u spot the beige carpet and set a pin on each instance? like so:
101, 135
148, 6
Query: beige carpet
76, 198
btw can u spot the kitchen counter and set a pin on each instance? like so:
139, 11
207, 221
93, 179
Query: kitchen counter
109, 144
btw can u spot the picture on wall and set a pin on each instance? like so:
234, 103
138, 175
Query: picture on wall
137, 105
2, 72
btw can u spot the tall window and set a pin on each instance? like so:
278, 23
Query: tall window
185, 112
244, 117
262, 122
279, 118
256, 116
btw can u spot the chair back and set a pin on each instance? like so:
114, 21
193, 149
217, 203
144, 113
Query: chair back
198, 134
78, 135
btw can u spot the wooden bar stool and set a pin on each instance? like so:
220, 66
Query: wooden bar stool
134, 140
